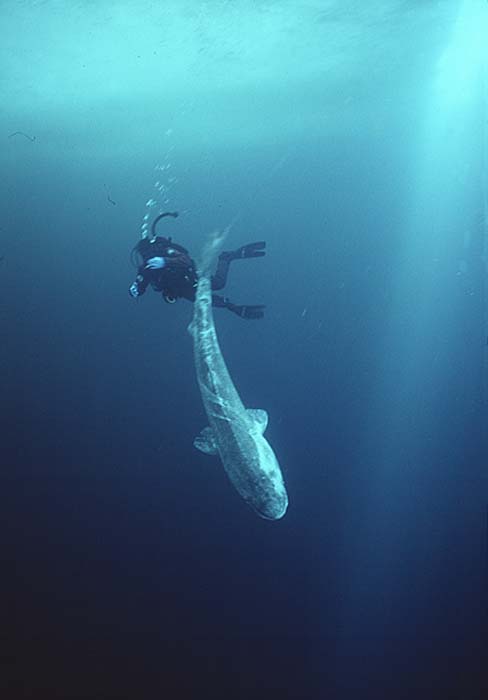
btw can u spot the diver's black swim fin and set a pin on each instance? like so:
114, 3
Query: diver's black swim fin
251, 250
246, 311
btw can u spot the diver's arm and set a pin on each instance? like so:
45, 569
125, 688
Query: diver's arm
139, 286
155, 263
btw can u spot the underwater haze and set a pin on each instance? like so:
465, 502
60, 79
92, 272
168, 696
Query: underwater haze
352, 137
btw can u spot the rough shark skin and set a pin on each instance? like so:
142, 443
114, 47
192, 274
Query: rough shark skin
235, 433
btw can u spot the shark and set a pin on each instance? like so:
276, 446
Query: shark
235, 433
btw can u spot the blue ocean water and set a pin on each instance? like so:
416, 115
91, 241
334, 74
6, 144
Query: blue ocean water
352, 139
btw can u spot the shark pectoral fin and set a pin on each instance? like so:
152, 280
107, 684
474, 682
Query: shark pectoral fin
258, 416
205, 442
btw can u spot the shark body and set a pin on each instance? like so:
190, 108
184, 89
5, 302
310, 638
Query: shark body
234, 432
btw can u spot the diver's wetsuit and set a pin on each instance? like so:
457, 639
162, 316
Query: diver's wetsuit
178, 277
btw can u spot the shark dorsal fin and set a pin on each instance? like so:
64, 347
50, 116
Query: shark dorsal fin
259, 417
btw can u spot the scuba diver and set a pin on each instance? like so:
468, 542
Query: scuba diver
169, 269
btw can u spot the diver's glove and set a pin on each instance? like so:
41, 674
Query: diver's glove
134, 290
155, 263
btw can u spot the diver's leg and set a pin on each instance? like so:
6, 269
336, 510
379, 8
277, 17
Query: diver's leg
219, 279
219, 302
245, 311
251, 250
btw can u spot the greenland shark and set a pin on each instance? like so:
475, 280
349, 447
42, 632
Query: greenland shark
235, 433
